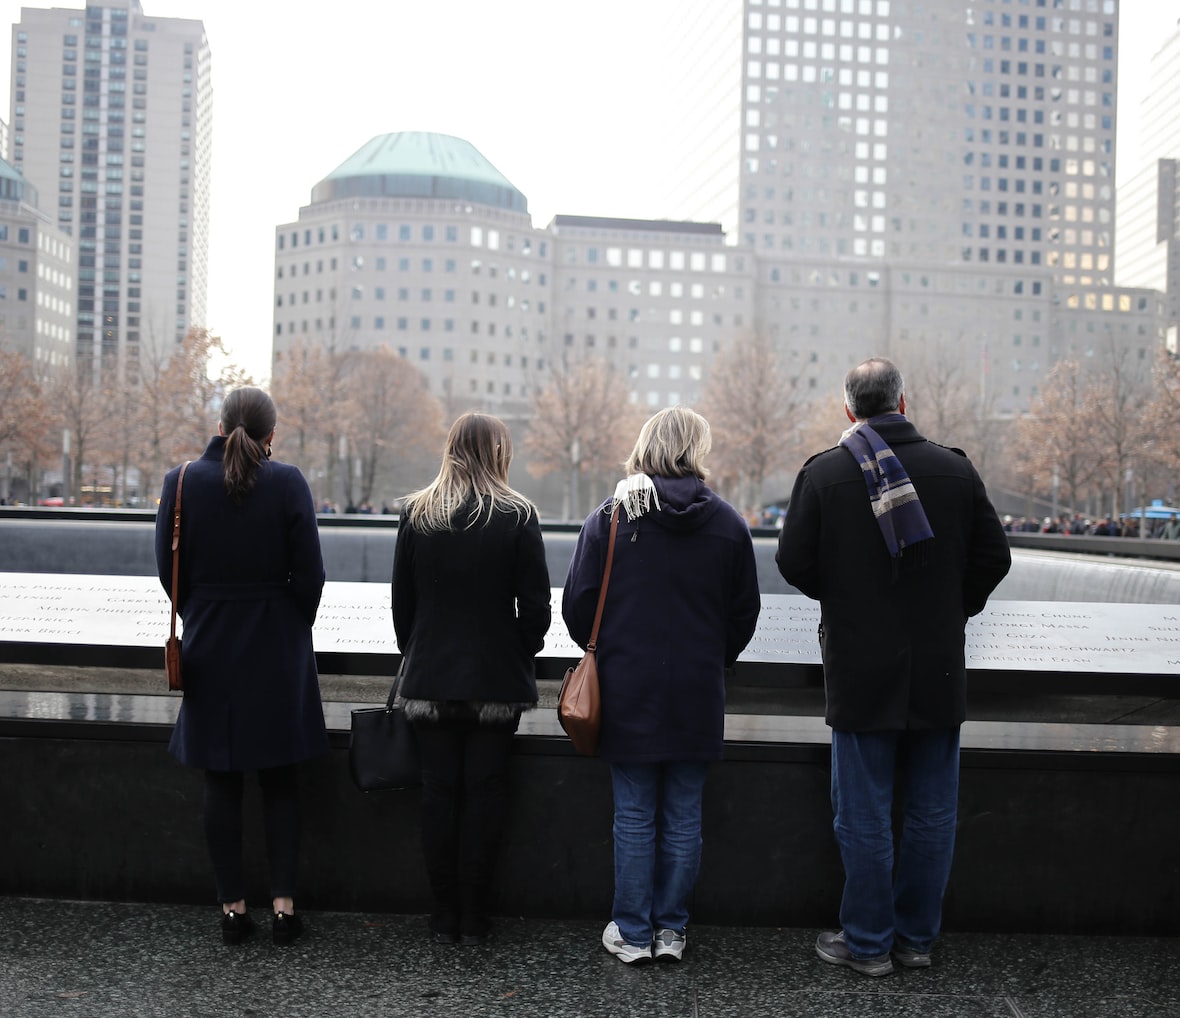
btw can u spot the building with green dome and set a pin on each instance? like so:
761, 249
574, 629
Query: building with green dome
417, 243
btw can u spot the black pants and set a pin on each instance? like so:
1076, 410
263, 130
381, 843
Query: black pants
223, 829
464, 805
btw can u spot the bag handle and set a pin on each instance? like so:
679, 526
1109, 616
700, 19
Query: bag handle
397, 684
176, 547
610, 554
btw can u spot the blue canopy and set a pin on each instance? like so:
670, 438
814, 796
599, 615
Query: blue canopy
1153, 512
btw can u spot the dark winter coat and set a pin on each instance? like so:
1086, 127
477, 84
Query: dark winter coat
681, 605
251, 575
893, 634
471, 609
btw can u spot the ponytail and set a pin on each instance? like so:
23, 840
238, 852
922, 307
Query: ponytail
242, 456
247, 418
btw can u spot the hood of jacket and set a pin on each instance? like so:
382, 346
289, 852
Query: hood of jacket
686, 503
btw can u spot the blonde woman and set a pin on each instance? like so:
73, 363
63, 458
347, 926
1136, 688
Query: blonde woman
681, 605
470, 610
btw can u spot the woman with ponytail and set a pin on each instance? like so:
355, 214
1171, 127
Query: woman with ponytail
251, 574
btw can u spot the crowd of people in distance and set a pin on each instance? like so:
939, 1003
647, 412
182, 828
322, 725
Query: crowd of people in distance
1166, 528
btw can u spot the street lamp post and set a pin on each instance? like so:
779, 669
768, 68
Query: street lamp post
575, 468
65, 466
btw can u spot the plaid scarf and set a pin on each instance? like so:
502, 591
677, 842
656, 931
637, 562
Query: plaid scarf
894, 501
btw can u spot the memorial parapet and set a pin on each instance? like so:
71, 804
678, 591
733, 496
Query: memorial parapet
1080, 647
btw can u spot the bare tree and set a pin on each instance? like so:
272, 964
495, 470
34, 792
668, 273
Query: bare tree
303, 390
1116, 436
754, 406
946, 400
79, 395
27, 422
1054, 439
1161, 418
583, 425
389, 417
192, 397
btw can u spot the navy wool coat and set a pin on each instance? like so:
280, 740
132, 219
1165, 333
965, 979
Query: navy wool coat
893, 637
471, 609
681, 605
251, 575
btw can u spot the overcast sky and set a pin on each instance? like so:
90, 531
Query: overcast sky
562, 99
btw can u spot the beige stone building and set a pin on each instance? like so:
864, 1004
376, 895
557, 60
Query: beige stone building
37, 266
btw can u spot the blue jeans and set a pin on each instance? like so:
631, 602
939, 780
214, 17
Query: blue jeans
657, 833
884, 904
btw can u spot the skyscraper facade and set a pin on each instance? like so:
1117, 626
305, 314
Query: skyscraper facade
952, 131
111, 120
935, 181
1148, 245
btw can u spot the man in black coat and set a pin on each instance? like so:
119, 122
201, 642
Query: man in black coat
896, 538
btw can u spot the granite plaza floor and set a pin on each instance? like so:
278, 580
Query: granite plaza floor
97, 959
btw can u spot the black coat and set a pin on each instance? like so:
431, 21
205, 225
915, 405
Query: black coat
681, 605
471, 609
251, 575
893, 638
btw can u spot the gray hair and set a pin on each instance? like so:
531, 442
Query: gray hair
672, 443
873, 387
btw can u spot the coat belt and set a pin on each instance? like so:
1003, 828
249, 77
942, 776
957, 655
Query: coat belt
239, 591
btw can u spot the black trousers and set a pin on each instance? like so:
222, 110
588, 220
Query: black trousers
223, 829
464, 805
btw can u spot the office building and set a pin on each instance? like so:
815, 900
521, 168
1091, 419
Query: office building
416, 242
111, 120
36, 278
1148, 244
933, 181
657, 299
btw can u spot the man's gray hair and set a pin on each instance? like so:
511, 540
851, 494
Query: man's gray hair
873, 387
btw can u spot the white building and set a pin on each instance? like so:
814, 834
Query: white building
37, 268
111, 113
1148, 245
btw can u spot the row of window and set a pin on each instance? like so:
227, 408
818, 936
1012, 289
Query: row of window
426, 233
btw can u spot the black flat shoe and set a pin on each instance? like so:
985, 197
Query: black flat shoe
235, 927
474, 939
286, 927
444, 936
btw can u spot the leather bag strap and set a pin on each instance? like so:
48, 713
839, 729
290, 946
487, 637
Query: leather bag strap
610, 554
176, 547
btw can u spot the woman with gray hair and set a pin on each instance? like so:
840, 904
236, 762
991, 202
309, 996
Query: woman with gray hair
681, 604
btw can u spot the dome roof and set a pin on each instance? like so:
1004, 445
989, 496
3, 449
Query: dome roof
417, 164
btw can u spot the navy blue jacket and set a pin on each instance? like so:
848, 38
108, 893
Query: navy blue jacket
893, 638
681, 605
471, 609
251, 575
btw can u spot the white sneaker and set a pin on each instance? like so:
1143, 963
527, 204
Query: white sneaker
669, 945
613, 941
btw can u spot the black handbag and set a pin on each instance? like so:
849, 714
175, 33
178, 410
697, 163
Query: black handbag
382, 749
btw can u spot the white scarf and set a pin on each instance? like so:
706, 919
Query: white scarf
636, 494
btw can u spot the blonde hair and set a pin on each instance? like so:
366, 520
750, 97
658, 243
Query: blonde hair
672, 443
474, 472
